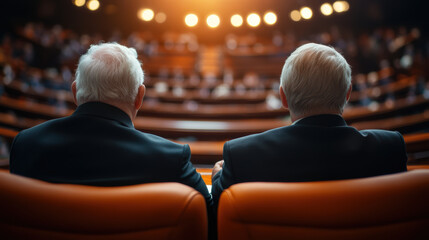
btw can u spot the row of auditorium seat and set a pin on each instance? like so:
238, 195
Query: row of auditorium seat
234, 111
208, 152
267, 85
397, 89
352, 114
415, 104
383, 207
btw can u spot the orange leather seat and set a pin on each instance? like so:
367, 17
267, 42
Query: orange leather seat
33, 209
392, 206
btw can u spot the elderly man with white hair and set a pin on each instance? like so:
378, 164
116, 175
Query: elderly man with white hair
315, 86
98, 144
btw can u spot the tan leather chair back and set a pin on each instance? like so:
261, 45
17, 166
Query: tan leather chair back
33, 209
393, 206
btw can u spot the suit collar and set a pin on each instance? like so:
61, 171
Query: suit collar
326, 120
104, 110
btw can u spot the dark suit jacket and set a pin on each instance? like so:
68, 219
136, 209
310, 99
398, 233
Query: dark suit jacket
315, 148
98, 145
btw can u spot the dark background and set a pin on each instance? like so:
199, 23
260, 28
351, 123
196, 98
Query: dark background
120, 15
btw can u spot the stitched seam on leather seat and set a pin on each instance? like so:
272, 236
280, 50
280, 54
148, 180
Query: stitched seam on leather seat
188, 202
240, 219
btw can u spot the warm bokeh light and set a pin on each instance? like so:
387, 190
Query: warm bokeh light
236, 20
306, 12
93, 5
191, 20
160, 17
146, 14
213, 21
270, 18
295, 15
326, 9
79, 3
341, 6
346, 6
253, 20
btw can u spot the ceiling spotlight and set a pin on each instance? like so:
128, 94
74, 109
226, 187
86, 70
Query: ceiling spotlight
341, 6
213, 21
79, 3
253, 20
326, 9
146, 14
295, 15
236, 20
93, 5
306, 12
270, 18
191, 20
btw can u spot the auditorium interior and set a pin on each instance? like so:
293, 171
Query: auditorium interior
212, 73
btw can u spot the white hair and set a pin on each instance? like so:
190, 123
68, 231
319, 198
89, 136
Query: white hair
108, 72
315, 78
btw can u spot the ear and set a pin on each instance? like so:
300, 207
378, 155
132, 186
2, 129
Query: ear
73, 88
283, 98
349, 93
139, 98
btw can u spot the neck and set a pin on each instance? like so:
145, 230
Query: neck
127, 108
295, 117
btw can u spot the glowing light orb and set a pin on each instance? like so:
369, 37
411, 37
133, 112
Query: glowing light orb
295, 15
341, 6
306, 12
191, 20
270, 18
326, 9
253, 20
93, 5
146, 14
79, 3
236, 20
213, 21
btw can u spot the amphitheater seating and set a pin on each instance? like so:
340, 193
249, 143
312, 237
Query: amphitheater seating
208, 152
188, 109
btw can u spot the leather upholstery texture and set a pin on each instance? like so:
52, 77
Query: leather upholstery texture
33, 209
394, 206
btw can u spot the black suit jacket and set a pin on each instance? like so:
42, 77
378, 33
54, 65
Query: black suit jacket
98, 145
315, 148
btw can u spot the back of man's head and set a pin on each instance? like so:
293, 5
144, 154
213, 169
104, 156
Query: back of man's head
316, 79
108, 72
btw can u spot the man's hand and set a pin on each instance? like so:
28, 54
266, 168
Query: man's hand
217, 167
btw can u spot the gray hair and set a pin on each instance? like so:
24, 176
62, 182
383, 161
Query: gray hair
108, 72
315, 78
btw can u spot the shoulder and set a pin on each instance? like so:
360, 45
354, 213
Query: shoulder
160, 146
257, 138
256, 145
42, 127
157, 140
383, 139
381, 135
